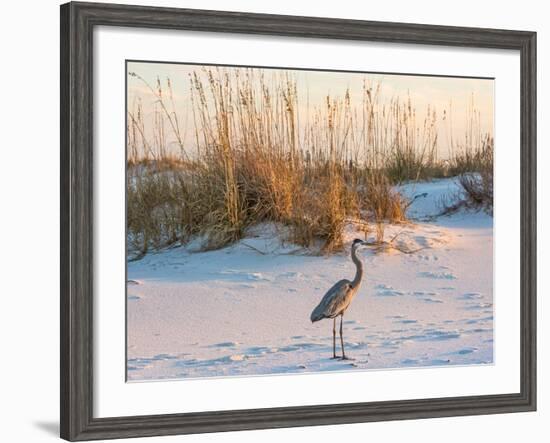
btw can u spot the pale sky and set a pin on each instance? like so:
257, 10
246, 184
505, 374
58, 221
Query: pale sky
314, 86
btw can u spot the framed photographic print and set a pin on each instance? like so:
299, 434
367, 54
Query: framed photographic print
273, 221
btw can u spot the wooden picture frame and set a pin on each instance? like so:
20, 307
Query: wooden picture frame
77, 23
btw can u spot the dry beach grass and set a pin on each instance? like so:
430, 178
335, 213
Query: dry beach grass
256, 158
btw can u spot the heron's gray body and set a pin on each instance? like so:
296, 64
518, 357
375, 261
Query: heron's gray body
336, 301
338, 298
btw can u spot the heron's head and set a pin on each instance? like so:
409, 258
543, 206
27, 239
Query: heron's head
358, 242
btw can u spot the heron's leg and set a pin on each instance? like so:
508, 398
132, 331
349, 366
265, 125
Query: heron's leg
334, 338
341, 338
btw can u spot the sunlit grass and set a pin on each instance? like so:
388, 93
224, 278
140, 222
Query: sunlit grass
256, 158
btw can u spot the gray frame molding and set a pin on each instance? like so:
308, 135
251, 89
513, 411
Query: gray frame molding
77, 24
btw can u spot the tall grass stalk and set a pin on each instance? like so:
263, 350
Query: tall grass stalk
254, 158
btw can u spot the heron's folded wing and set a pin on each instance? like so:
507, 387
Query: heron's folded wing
333, 301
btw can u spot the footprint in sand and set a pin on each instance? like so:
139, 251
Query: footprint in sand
291, 275
464, 351
431, 300
387, 291
407, 322
247, 286
470, 296
225, 344
478, 306
434, 335
443, 275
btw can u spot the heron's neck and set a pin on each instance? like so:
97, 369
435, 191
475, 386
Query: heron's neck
359, 272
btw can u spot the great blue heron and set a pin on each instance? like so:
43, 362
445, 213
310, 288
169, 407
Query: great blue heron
338, 298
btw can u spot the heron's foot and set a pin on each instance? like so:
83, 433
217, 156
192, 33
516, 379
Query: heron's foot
345, 357
335, 357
